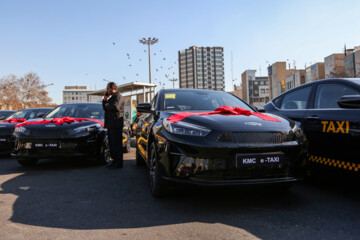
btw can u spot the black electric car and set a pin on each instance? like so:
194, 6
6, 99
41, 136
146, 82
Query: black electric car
70, 130
7, 125
183, 137
328, 111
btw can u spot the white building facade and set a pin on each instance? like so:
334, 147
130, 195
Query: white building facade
75, 94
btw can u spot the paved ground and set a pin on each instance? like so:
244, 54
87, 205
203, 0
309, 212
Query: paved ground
67, 199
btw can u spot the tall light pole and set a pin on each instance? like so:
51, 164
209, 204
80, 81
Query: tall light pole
149, 41
173, 80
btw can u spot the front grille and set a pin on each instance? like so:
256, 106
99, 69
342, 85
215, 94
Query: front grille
259, 137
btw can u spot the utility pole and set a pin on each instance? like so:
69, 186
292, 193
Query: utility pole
173, 80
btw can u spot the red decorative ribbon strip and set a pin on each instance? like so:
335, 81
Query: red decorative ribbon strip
224, 110
14, 120
61, 121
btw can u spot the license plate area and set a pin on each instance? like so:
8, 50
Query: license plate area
259, 160
47, 145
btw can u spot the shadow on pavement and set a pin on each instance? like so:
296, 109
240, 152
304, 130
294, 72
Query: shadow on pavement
82, 195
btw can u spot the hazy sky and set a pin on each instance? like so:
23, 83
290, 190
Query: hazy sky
83, 42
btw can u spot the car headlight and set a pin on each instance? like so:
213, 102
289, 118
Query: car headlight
184, 128
297, 130
22, 130
87, 129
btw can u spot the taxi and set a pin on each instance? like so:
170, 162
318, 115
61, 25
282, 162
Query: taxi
328, 111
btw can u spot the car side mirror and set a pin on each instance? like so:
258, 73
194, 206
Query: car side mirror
260, 109
39, 115
349, 101
144, 108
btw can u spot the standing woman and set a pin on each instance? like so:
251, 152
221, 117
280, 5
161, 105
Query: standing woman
113, 104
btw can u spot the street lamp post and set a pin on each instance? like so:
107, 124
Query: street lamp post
149, 41
173, 80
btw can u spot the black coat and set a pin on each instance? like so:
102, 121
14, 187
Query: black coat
114, 111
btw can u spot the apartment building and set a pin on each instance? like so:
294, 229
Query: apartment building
202, 68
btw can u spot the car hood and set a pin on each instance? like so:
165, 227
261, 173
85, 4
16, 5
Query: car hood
53, 130
236, 123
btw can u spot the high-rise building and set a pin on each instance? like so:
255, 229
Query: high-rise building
255, 90
75, 94
202, 68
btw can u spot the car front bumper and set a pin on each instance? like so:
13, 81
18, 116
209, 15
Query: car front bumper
216, 164
66, 147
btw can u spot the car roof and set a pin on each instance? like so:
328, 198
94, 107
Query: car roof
36, 109
190, 90
81, 103
328, 80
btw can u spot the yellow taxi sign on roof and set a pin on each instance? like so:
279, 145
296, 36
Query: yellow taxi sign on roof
170, 95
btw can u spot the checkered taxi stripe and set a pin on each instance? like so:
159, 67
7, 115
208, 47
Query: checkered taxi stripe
335, 163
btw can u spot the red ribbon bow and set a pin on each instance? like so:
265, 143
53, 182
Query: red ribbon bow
61, 121
14, 120
224, 110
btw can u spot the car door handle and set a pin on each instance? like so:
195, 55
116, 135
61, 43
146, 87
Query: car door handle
312, 117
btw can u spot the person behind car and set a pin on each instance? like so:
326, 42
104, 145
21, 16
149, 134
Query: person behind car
113, 104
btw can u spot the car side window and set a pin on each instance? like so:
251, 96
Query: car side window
297, 99
327, 95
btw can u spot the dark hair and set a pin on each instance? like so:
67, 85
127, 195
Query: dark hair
112, 85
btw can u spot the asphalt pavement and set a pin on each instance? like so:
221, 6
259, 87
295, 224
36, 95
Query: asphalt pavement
78, 199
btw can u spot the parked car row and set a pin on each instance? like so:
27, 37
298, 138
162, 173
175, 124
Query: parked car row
206, 137
69, 130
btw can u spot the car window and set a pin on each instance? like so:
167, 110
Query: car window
19, 114
32, 115
327, 95
297, 99
78, 111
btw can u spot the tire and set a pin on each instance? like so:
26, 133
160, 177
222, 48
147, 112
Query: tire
139, 159
158, 187
104, 153
27, 162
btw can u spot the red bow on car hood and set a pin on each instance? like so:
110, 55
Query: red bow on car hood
14, 120
60, 121
224, 110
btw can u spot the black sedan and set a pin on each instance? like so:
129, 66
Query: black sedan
214, 138
7, 126
70, 130
329, 114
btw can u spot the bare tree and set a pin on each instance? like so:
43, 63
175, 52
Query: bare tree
24, 92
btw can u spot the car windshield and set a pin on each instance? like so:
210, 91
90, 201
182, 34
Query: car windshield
200, 100
27, 114
78, 111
